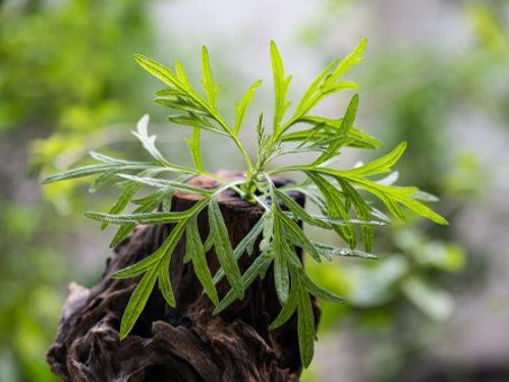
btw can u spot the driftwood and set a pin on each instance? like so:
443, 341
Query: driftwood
186, 343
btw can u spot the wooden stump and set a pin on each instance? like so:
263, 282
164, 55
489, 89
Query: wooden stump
186, 343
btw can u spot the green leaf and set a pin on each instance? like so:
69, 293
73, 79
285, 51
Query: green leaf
330, 251
243, 105
295, 235
100, 181
211, 89
196, 252
164, 281
194, 148
167, 184
166, 249
142, 218
300, 212
137, 301
342, 132
97, 169
319, 291
380, 165
258, 267
280, 86
288, 308
245, 245
362, 210
305, 327
336, 209
281, 277
156, 69
224, 249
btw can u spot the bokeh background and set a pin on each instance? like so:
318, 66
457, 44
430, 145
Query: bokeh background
435, 307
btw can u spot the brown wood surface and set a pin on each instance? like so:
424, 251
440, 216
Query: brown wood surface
186, 343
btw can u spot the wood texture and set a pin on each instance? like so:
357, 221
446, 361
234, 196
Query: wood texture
186, 343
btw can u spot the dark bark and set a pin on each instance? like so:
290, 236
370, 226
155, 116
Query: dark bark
186, 343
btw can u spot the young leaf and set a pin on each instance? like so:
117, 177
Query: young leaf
210, 87
243, 105
280, 86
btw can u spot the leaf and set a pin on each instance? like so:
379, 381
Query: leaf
342, 132
167, 184
196, 253
97, 169
305, 327
296, 236
280, 86
281, 278
141, 218
243, 105
137, 302
259, 266
336, 209
380, 165
194, 148
164, 281
288, 308
156, 69
148, 141
211, 89
245, 245
362, 210
319, 291
224, 249
166, 248
349, 61
100, 181
300, 212
330, 251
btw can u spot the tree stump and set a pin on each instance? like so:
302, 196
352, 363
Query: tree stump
186, 343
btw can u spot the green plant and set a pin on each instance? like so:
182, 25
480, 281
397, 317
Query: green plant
335, 192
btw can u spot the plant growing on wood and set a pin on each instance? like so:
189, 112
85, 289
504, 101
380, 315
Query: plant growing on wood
338, 194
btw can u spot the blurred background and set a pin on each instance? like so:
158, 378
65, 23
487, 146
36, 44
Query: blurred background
435, 307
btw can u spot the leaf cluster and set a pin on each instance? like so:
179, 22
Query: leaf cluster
339, 194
